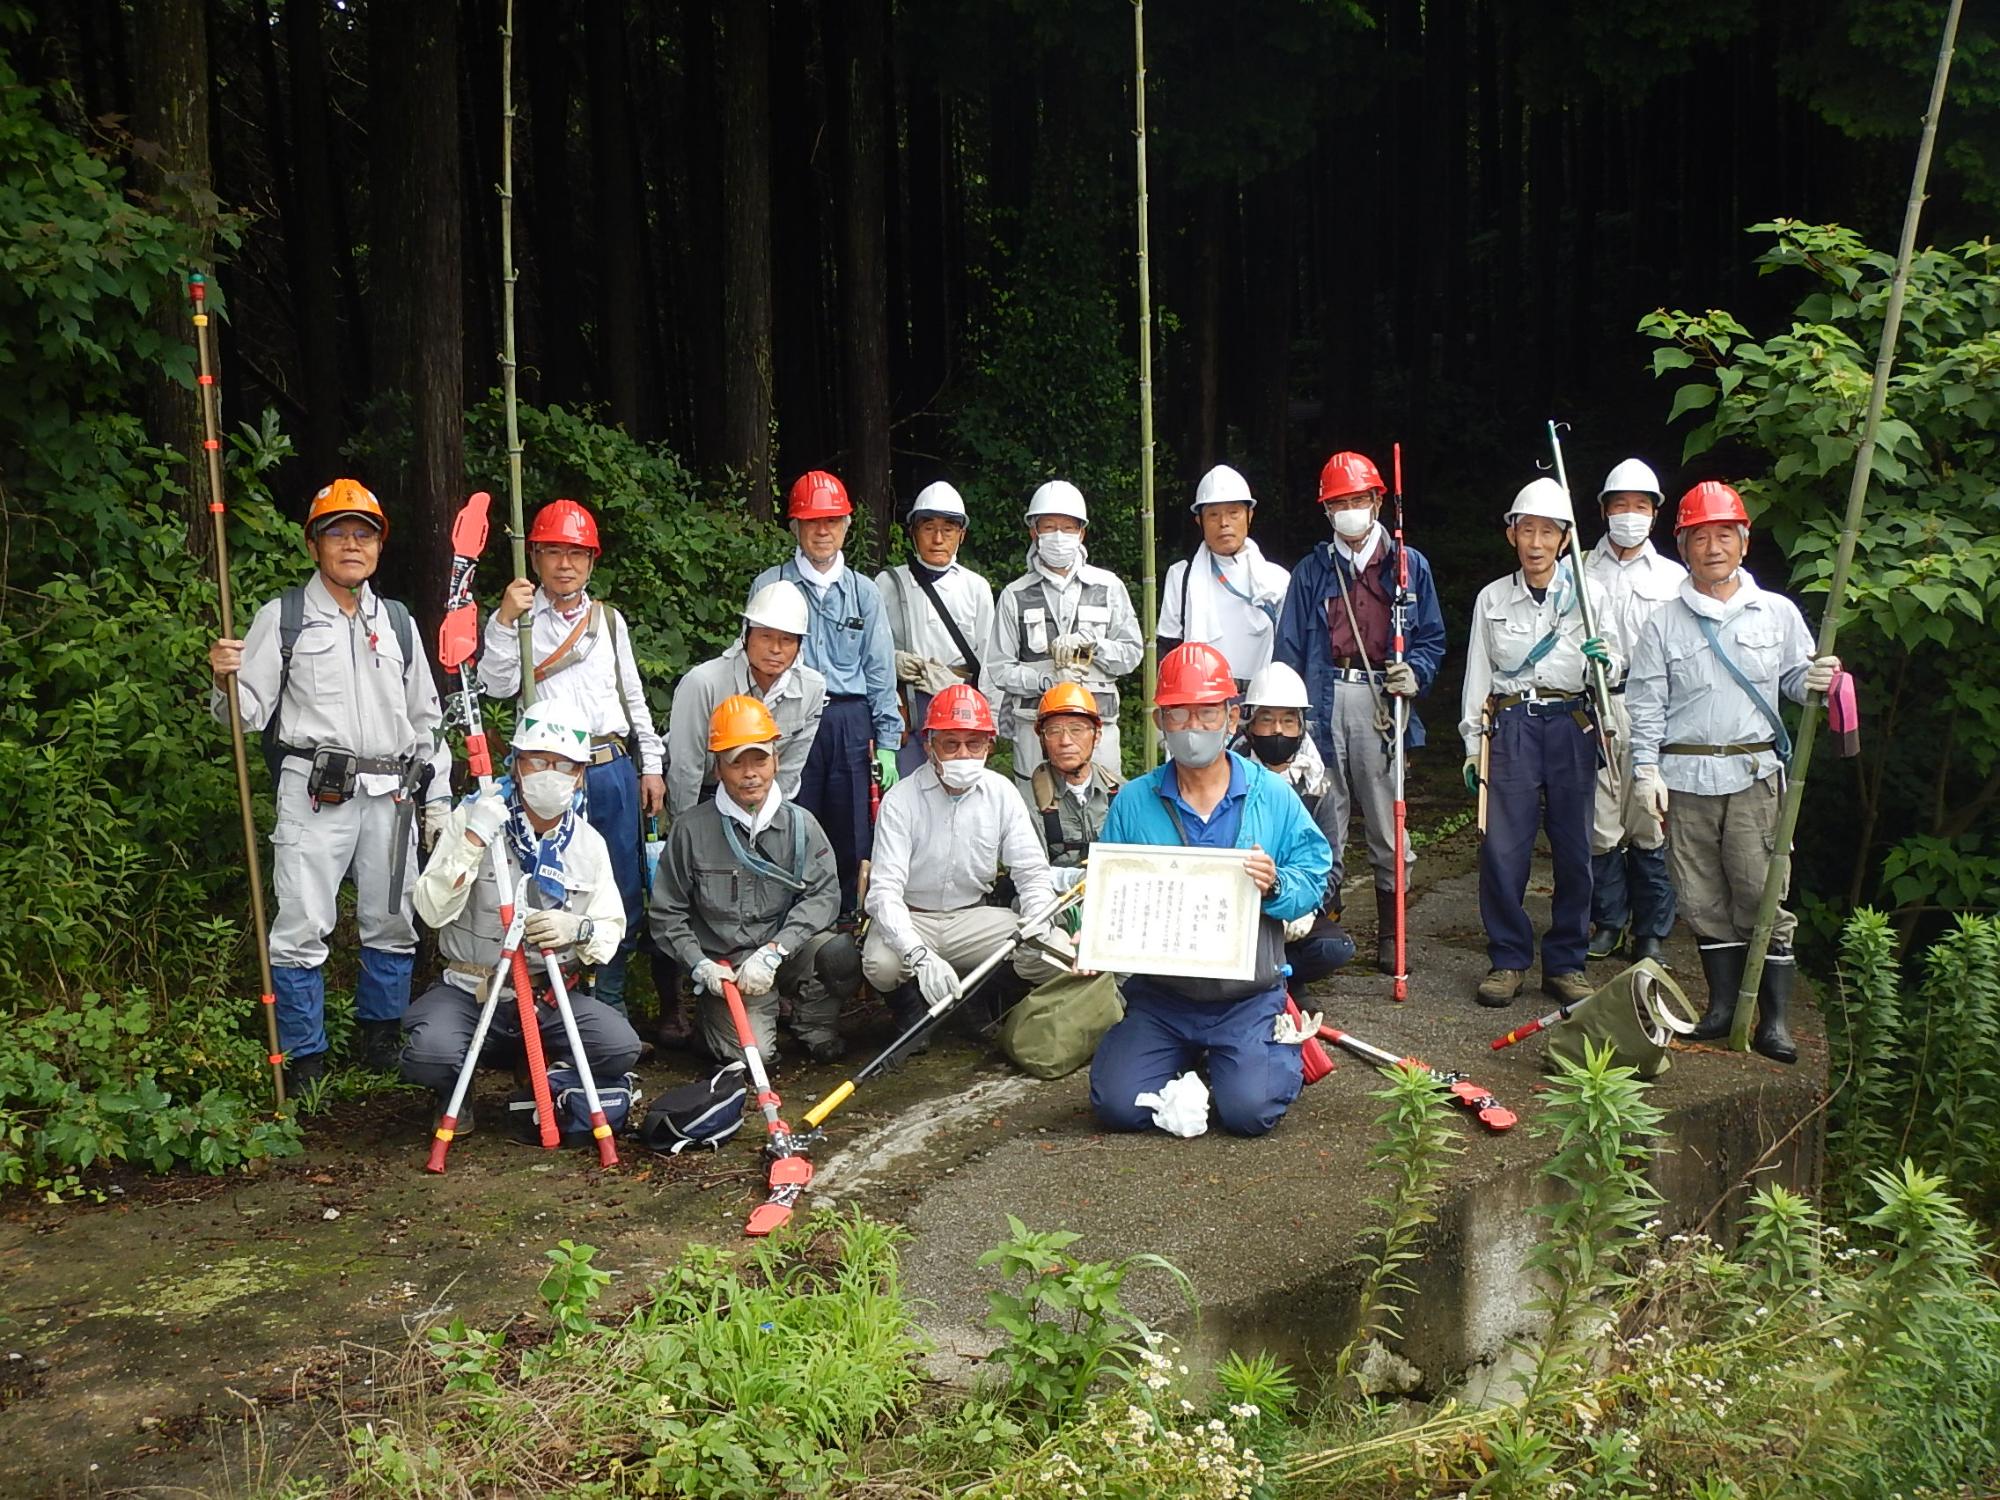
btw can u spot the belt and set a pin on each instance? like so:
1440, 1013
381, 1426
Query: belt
1615, 691
1500, 703
1755, 748
606, 749
537, 975
847, 697
364, 765
1354, 674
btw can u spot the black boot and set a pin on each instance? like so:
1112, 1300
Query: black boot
1722, 965
381, 1045
304, 1074
1649, 947
1605, 943
1774, 998
1385, 930
906, 1008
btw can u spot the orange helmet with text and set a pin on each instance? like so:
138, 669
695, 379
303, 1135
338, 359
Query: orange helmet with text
960, 706
346, 497
738, 721
1068, 698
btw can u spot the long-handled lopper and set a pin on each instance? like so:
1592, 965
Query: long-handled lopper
1399, 609
1467, 1095
447, 1125
1034, 927
791, 1171
600, 1127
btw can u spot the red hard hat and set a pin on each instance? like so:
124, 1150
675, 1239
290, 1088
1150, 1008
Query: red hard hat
1711, 500
1349, 474
960, 706
566, 524
816, 496
1194, 673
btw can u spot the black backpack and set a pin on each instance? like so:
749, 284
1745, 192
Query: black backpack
706, 1112
291, 621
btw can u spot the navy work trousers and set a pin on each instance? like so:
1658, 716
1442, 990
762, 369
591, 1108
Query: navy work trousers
834, 788
1541, 773
1252, 1080
611, 800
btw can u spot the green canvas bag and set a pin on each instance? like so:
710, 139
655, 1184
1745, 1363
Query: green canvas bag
1637, 1013
1056, 1028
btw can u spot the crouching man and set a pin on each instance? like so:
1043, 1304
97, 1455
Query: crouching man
574, 908
748, 889
1205, 797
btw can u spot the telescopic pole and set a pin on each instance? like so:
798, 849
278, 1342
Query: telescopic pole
1779, 876
212, 421
1600, 684
517, 526
1399, 651
1149, 603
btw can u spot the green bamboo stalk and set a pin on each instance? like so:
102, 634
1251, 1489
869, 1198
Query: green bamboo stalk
1149, 599
518, 530
1779, 876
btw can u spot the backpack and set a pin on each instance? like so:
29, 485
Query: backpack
706, 1112
572, 1108
291, 621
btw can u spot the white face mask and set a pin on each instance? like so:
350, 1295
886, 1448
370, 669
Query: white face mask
1353, 523
1628, 529
548, 794
1059, 548
960, 775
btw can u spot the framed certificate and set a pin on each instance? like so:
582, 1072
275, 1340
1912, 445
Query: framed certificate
1167, 909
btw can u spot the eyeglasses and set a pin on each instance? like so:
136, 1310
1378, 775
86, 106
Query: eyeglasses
532, 761
1068, 729
365, 535
1199, 715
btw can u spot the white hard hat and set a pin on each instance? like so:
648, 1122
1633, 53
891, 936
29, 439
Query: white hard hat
1276, 686
1636, 476
1058, 498
1542, 497
938, 499
779, 605
557, 726
1222, 485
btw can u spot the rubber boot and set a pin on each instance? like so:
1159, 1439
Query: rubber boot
1722, 966
1385, 930
1773, 1039
304, 1074
906, 1008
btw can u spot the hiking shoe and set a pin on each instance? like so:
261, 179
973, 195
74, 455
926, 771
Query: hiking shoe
827, 1050
464, 1125
1500, 986
1605, 943
1571, 989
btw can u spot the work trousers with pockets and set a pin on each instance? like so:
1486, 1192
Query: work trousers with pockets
964, 939
611, 799
1359, 774
1252, 1080
819, 978
1541, 774
1628, 856
437, 1031
834, 786
312, 852
1720, 851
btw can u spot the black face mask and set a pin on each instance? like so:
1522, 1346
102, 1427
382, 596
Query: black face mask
1276, 749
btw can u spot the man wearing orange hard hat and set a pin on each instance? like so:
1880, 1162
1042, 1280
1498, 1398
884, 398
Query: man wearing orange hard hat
1069, 793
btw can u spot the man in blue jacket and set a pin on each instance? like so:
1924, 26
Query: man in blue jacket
1206, 797
1334, 632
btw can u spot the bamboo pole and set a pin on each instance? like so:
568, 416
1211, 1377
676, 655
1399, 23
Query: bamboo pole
1149, 599
517, 527
1779, 876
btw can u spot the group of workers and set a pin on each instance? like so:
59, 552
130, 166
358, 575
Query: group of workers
833, 819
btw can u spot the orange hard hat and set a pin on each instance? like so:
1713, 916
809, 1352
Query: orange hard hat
1192, 674
346, 497
739, 721
564, 523
1068, 698
1349, 474
960, 706
1711, 500
817, 496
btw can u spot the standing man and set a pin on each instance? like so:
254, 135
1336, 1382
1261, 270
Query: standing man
1069, 793
762, 663
1628, 855
1226, 595
1706, 727
940, 611
1527, 685
331, 674
575, 910
1335, 633
1061, 621
1205, 797
583, 657
747, 890
848, 643
945, 834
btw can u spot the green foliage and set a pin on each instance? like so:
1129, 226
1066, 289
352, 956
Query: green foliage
1061, 1322
1926, 576
571, 1286
1119, 1449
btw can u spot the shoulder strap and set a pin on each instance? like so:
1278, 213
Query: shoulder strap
1778, 731
406, 635
1043, 784
922, 577
751, 860
618, 675
291, 621
565, 652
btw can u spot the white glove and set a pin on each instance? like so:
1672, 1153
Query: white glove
1298, 927
757, 973
937, 981
1180, 1108
1062, 878
436, 815
709, 976
1288, 1031
1819, 676
484, 818
1651, 791
909, 667
936, 676
552, 928
1072, 652
1400, 678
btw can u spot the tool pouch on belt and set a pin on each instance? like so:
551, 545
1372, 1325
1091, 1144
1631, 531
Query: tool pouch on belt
330, 782
1636, 1014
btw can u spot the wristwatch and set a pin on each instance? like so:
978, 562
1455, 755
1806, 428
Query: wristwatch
914, 959
584, 930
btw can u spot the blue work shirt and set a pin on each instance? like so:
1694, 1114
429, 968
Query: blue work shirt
1218, 830
848, 643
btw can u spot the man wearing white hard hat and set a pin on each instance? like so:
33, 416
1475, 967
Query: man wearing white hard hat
563, 869
940, 611
1227, 595
1061, 621
1629, 887
761, 663
1527, 689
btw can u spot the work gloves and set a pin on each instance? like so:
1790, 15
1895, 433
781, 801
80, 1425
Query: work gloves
710, 976
1063, 877
1180, 1107
885, 761
1819, 676
1595, 650
1400, 678
484, 818
1072, 655
936, 980
1650, 792
925, 672
757, 973
1298, 927
436, 815
553, 928
1470, 771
